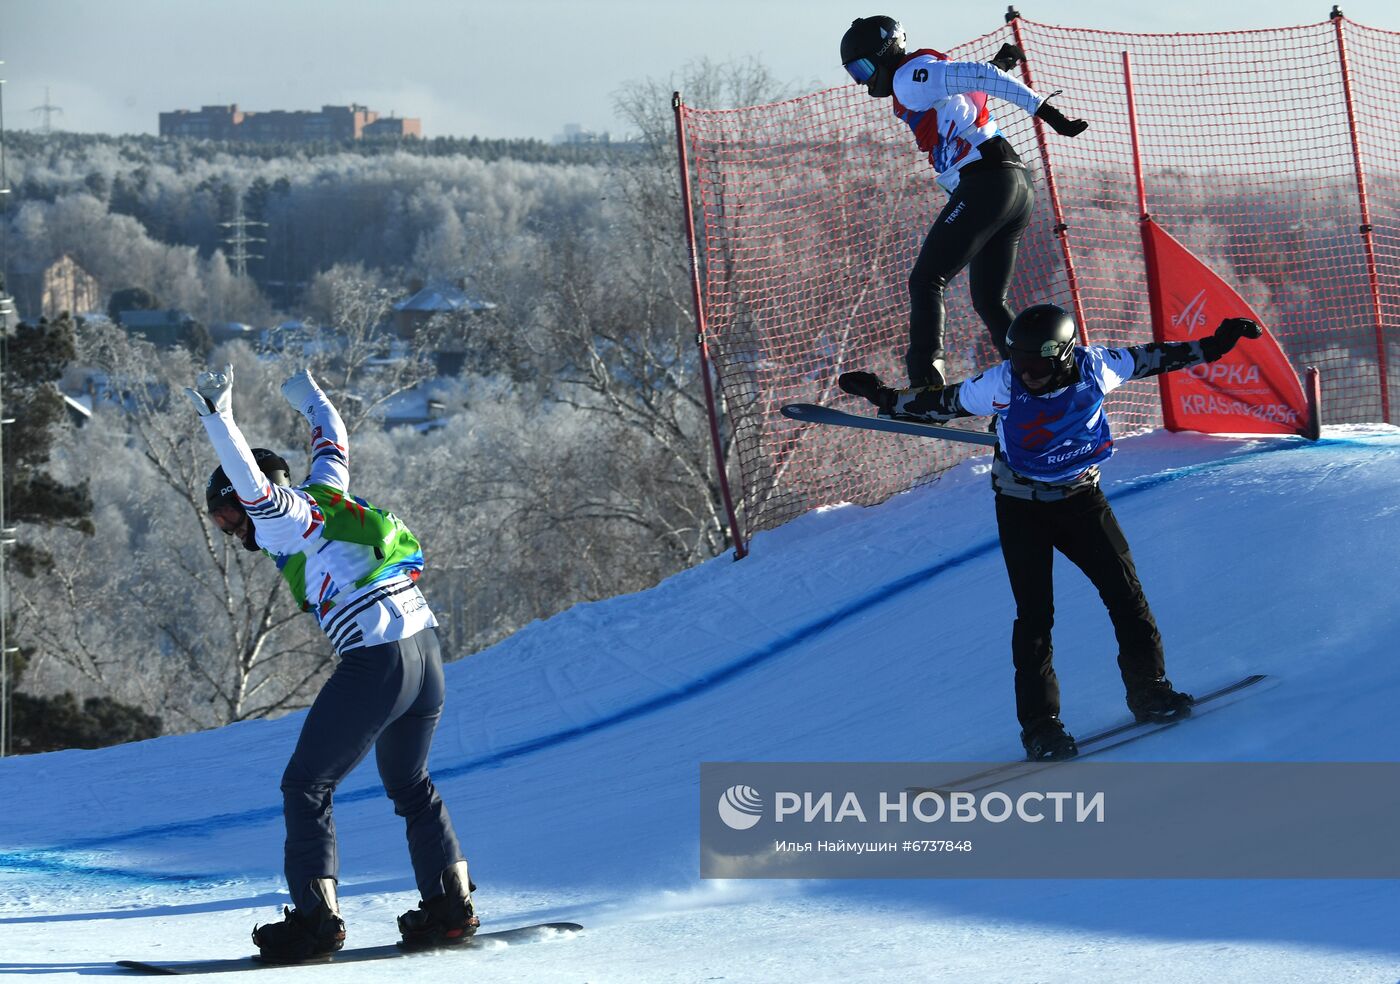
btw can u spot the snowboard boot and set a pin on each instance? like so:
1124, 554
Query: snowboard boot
1157, 701
304, 935
446, 919
1047, 740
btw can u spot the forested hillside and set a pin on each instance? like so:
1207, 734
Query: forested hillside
570, 460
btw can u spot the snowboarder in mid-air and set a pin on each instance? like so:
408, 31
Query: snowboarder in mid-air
354, 567
1052, 436
990, 193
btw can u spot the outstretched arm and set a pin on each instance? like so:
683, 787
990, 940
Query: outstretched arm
330, 461
965, 77
994, 81
1155, 358
926, 402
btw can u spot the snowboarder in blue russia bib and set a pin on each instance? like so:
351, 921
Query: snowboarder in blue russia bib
1052, 435
355, 568
944, 103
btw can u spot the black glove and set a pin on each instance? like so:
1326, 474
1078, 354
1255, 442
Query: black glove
1236, 328
1008, 57
868, 385
1059, 122
1230, 331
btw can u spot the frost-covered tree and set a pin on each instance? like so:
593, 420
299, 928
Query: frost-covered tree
193, 625
43, 505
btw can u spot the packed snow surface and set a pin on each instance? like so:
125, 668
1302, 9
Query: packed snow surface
569, 754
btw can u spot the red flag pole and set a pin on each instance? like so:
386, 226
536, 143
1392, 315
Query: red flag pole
1314, 391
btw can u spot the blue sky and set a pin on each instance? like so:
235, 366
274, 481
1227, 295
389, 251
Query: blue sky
518, 69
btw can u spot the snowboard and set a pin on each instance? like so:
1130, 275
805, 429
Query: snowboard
811, 413
1098, 742
522, 934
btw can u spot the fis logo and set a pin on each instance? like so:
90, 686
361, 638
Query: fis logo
740, 807
1193, 315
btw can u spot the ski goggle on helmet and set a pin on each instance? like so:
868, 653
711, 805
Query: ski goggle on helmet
1035, 366
869, 43
862, 69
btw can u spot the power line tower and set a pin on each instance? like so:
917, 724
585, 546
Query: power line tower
48, 110
238, 241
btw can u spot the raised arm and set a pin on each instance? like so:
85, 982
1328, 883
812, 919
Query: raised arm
284, 518
330, 462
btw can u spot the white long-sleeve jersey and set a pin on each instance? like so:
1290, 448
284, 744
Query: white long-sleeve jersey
288, 521
945, 104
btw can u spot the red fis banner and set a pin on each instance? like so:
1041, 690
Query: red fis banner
1253, 389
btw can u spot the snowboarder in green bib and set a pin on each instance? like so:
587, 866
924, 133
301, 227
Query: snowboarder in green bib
355, 568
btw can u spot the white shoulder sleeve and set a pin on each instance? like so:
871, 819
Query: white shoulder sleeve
988, 392
1110, 367
918, 83
979, 77
330, 458
285, 520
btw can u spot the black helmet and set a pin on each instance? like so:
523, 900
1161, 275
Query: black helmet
871, 49
881, 39
1043, 331
220, 492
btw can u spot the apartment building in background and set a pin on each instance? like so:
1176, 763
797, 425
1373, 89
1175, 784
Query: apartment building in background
335, 123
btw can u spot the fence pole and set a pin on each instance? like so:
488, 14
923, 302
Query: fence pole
701, 342
1143, 216
1367, 238
1154, 286
1013, 17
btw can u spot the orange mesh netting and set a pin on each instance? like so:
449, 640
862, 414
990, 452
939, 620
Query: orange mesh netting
810, 213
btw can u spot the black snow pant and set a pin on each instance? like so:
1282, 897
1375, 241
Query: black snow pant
388, 697
979, 228
1084, 529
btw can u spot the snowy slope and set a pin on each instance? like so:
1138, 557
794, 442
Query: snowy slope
569, 753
